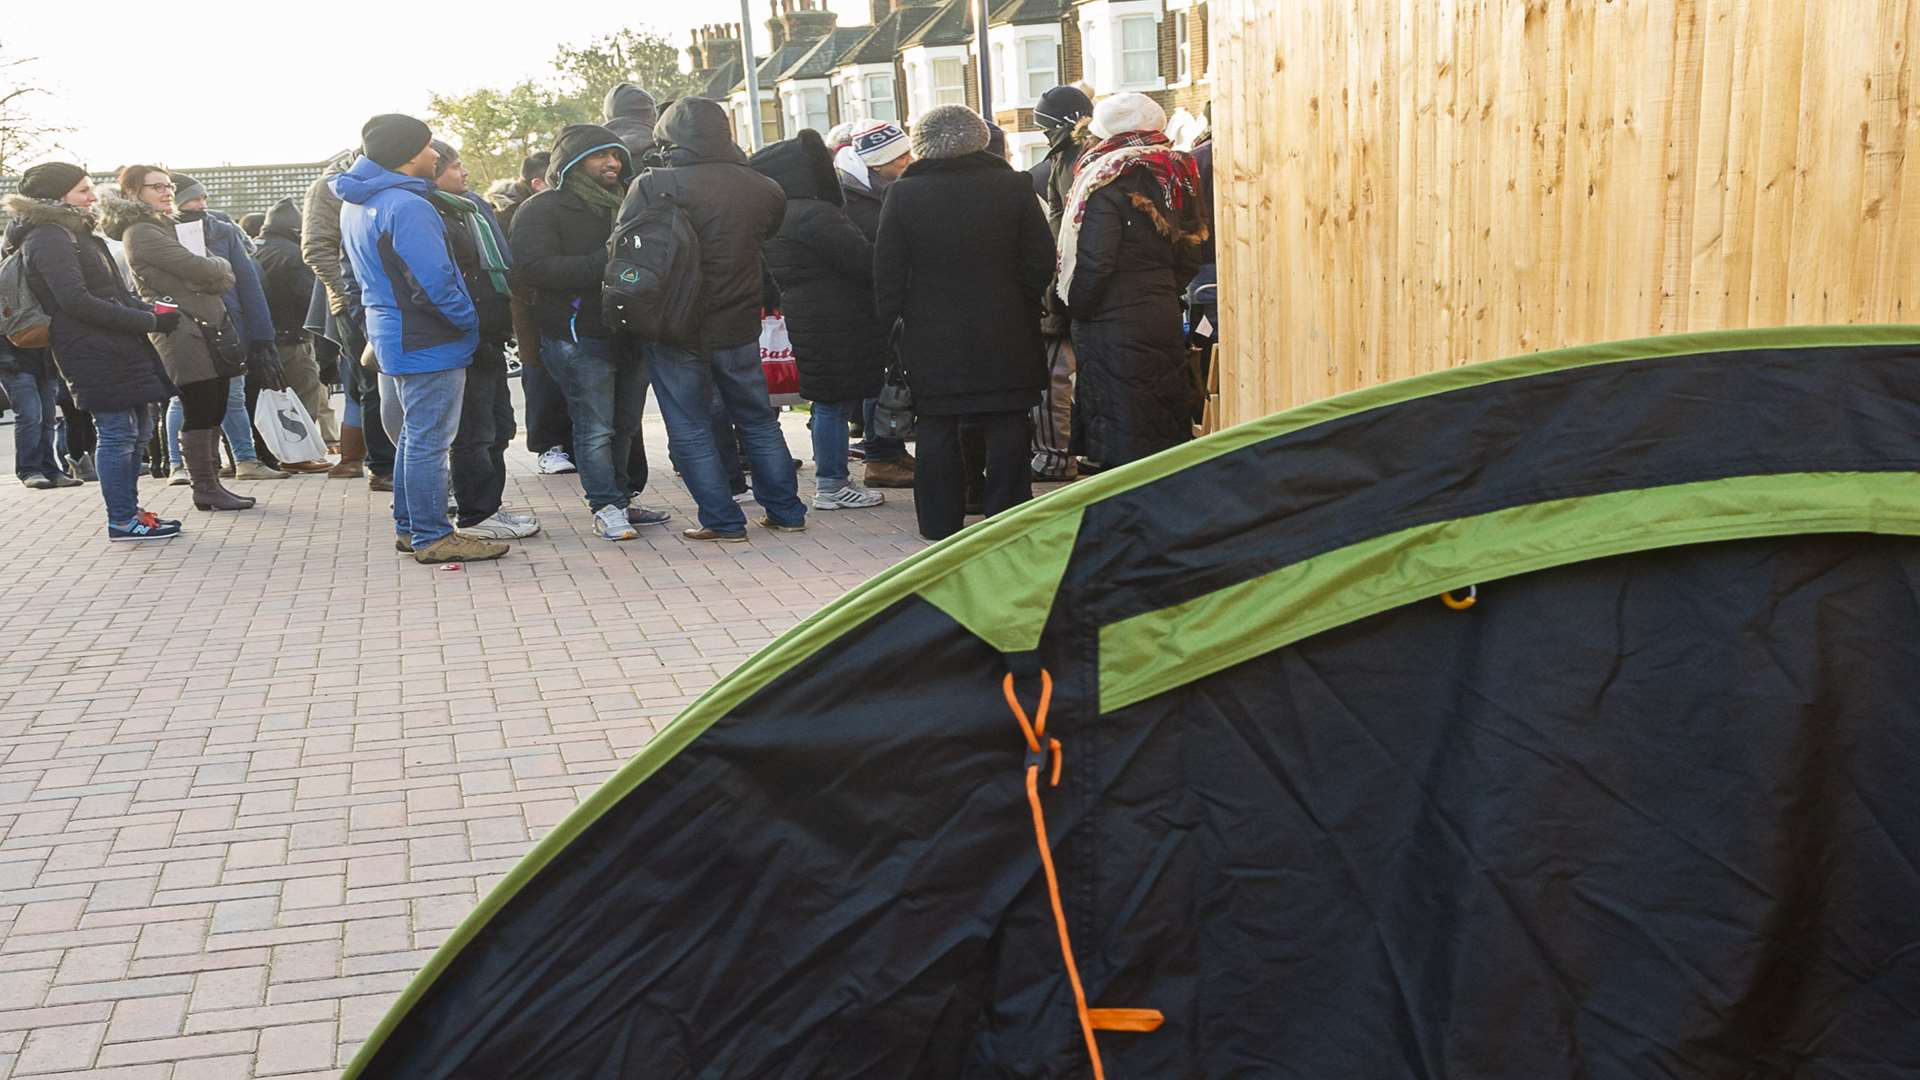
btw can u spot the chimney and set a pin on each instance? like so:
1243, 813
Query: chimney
878, 10
696, 53
718, 45
776, 26
806, 20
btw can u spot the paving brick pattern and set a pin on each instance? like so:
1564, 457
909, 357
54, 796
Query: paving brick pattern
251, 777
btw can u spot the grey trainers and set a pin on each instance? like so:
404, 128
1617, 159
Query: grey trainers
851, 497
610, 523
254, 470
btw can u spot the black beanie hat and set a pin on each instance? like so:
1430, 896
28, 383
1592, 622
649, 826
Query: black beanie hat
534, 166
1062, 106
50, 181
393, 139
448, 155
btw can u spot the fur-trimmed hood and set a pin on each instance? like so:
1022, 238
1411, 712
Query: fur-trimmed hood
27, 212
119, 213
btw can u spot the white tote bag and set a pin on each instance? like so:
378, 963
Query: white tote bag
777, 362
282, 422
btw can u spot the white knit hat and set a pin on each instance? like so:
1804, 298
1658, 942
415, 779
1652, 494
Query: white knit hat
1127, 112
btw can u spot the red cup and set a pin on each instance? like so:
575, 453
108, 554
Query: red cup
165, 307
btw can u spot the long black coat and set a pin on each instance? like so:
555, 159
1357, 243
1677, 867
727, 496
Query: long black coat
1135, 394
824, 268
99, 331
964, 257
287, 280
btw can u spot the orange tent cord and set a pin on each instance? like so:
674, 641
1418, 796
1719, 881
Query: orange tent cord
1090, 1019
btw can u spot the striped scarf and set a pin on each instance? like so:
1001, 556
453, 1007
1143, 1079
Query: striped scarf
492, 259
1172, 171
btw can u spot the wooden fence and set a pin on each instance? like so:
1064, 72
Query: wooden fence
1405, 185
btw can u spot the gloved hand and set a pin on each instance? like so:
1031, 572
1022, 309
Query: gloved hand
166, 322
263, 363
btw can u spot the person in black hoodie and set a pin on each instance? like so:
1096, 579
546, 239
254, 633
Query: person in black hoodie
1063, 113
477, 460
963, 259
560, 241
876, 154
824, 269
288, 282
734, 210
629, 112
98, 334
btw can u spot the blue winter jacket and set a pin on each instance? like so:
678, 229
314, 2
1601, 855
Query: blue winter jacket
420, 317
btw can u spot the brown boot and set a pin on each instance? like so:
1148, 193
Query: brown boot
454, 547
890, 474
353, 449
307, 467
202, 452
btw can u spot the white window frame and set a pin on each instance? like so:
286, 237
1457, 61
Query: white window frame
1126, 56
948, 93
872, 100
1102, 35
820, 120
1027, 71
1182, 47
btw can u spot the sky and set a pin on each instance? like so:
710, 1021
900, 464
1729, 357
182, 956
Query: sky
245, 83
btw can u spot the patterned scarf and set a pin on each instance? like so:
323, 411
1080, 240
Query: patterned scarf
1172, 172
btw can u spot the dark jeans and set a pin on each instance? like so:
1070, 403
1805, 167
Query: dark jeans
479, 458
363, 385
548, 423
203, 404
606, 396
940, 478
34, 397
75, 432
879, 448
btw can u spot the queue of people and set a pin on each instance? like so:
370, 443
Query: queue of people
1036, 318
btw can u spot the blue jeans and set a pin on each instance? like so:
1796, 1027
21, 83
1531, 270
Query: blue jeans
33, 400
605, 398
685, 382
116, 457
236, 424
548, 425
879, 448
422, 413
830, 420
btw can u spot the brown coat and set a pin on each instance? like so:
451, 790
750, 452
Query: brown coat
163, 267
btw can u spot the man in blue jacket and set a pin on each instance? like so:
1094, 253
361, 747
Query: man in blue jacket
421, 323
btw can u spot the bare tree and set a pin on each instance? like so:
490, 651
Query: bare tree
23, 136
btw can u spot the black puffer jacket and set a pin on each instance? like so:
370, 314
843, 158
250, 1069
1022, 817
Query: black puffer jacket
963, 257
629, 112
99, 331
287, 280
824, 268
863, 204
732, 208
1134, 395
560, 243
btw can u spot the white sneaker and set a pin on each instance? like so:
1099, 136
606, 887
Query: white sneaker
499, 527
519, 517
851, 497
555, 461
611, 523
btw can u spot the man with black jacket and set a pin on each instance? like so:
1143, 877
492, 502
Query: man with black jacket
734, 210
478, 457
289, 286
560, 243
1060, 112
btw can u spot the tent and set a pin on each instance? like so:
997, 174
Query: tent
1557, 716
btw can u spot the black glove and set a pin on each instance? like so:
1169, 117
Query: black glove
263, 363
166, 322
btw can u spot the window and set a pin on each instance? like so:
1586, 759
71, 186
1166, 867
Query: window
1182, 47
1139, 50
1090, 61
949, 82
880, 99
840, 102
914, 91
810, 111
1033, 153
1002, 78
1042, 66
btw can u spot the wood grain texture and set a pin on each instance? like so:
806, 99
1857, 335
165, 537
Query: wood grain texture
1407, 185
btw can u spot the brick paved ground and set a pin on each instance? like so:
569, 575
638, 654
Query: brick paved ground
250, 777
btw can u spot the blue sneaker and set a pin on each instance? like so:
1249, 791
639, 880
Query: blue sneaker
143, 527
145, 513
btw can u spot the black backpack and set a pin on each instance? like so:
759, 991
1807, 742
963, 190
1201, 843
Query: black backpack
652, 285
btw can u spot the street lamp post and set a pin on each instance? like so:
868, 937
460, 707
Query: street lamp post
986, 65
754, 137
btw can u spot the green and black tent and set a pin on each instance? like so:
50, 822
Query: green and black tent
1551, 717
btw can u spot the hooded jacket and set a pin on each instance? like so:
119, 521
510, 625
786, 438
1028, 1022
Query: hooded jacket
824, 268
733, 209
419, 316
164, 267
1053, 182
863, 202
629, 112
287, 280
99, 331
963, 257
320, 239
560, 243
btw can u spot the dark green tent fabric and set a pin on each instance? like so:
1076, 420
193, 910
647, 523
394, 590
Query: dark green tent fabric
1644, 809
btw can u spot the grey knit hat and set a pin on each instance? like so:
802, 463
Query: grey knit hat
949, 131
186, 189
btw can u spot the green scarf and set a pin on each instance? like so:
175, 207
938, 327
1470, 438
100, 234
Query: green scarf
591, 193
492, 259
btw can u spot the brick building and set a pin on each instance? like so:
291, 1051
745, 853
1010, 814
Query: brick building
917, 54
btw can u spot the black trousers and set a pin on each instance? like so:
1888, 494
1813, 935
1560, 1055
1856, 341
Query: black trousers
363, 385
940, 478
203, 404
479, 458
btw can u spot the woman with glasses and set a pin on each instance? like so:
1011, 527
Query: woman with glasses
98, 332
204, 353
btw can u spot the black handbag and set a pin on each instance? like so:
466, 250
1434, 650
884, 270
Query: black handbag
224, 346
893, 409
